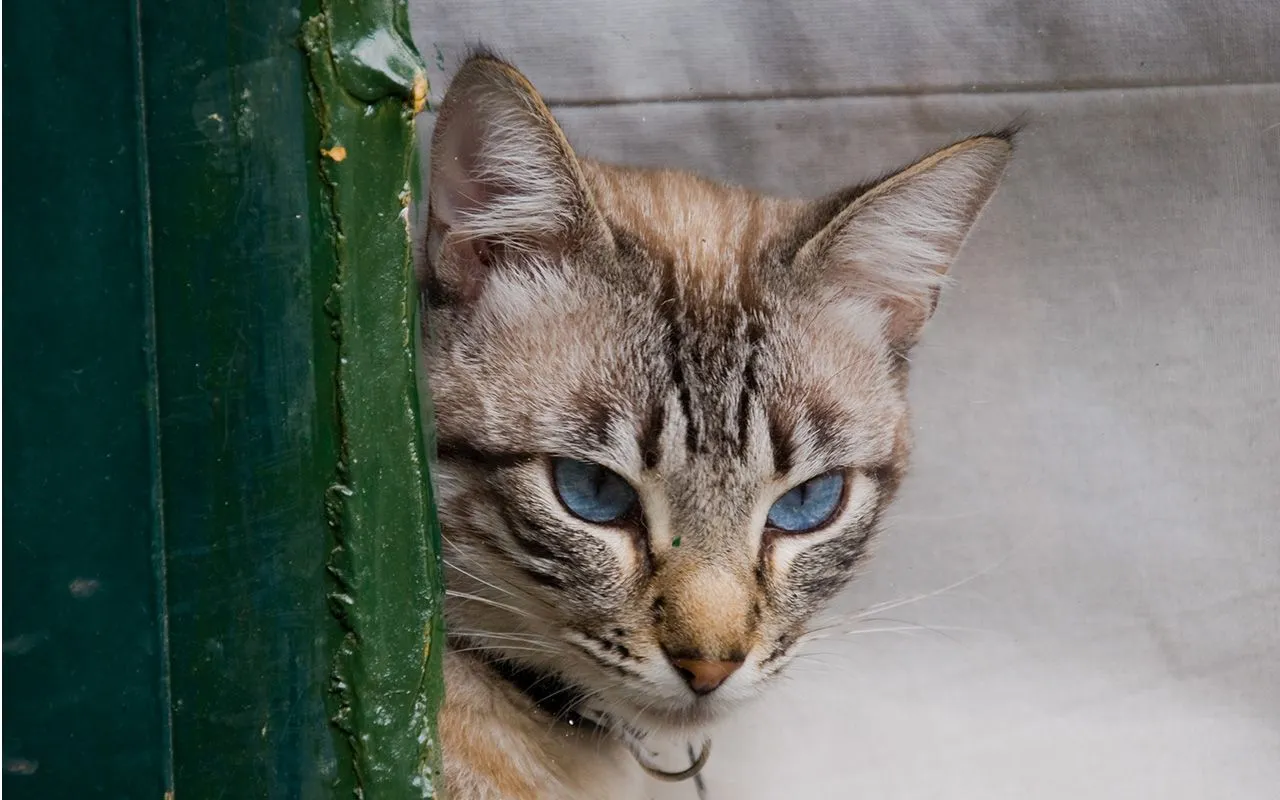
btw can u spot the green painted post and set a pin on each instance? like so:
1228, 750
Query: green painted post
368, 84
221, 573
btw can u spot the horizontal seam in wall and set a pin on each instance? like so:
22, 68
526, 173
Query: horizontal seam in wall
889, 93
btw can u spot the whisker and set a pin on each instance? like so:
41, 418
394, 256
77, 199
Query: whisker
896, 629
889, 605
931, 628
504, 648
515, 637
577, 705
900, 626
479, 599
477, 579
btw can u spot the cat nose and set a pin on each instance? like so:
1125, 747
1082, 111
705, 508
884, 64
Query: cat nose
705, 676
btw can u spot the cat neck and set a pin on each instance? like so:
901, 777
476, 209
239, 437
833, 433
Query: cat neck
497, 742
564, 703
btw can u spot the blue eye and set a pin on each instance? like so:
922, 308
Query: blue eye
810, 505
592, 492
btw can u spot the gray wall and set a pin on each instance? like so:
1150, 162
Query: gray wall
1098, 425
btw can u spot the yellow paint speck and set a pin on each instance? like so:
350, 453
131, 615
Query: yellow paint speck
419, 93
338, 153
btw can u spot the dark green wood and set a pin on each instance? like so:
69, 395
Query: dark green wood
221, 570
84, 697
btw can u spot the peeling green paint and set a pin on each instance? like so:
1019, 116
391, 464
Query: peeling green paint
367, 84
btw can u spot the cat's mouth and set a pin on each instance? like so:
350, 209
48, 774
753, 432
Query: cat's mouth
635, 709
690, 717
663, 700
685, 714
659, 704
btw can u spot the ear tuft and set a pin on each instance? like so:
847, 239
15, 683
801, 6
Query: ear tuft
895, 242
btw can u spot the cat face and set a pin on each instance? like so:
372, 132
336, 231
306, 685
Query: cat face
669, 413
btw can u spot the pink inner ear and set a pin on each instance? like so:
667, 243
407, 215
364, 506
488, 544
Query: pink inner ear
471, 264
455, 193
454, 189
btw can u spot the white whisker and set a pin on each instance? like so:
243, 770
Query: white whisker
479, 599
504, 648
906, 601
515, 637
477, 579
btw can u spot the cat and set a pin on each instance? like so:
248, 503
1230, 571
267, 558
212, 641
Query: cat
669, 415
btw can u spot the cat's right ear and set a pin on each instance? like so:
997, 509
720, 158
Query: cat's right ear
505, 186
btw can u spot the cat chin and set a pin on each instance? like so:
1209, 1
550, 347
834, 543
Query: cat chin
691, 719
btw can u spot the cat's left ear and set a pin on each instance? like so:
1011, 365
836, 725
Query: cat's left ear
894, 243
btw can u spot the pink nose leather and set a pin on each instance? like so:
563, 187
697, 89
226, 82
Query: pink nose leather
705, 676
